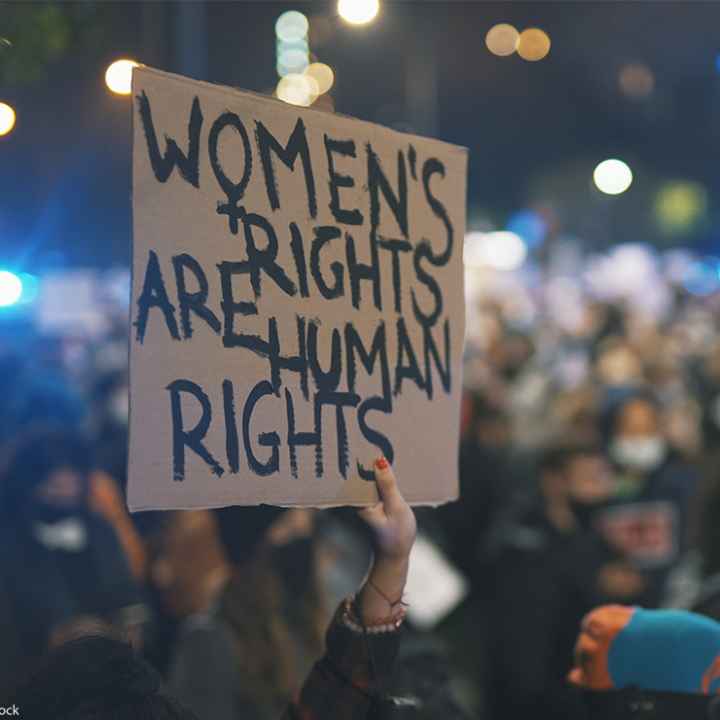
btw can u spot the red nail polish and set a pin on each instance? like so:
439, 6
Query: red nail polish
382, 463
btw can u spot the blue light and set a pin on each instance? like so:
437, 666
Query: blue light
530, 226
30, 285
701, 278
11, 288
717, 62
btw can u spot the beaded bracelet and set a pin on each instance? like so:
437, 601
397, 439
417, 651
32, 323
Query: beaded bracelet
390, 624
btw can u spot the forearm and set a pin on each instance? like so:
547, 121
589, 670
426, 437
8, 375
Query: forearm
363, 639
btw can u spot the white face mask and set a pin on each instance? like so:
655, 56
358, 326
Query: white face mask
639, 453
69, 535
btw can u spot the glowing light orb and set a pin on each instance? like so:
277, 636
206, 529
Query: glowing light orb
322, 74
358, 12
612, 177
7, 118
118, 76
291, 26
533, 44
502, 39
297, 89
10, 288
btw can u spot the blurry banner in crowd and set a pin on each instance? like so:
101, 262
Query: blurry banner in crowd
297, 303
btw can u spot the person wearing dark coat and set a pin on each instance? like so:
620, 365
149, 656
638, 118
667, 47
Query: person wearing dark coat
60, 563
647, 519
549, 570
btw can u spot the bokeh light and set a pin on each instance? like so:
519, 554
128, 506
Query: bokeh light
679, 205
291, 26
612, 177
530, 226
533, 44
499, 250
10, 288
30, 287
502, 39
636, 80
118, 76
297, 89
702, 277
292, 59
322, 74
7, 118
358, 12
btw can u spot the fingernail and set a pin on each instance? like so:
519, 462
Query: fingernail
381, 463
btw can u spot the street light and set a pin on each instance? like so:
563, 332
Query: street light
358, 12
10, 288
612, 177
7, 118
118, 76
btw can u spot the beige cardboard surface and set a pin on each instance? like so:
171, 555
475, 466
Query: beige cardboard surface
274, 247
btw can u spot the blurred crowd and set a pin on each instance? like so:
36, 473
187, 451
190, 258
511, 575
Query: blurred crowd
588, 464
587, 467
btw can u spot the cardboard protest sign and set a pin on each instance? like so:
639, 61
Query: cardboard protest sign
297, 303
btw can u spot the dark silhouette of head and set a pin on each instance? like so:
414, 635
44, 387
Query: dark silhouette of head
96, 678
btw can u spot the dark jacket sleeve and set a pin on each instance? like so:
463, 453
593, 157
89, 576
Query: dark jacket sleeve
347, 682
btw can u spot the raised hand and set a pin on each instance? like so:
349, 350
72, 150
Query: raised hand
393, 523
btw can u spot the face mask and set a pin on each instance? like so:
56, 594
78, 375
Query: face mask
69, 535
638, 453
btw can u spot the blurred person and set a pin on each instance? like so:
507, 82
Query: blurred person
99, 678
510, 354
59, 560
617, 363
108, 501
706, 599
647, 520
51, 399
550, 568
43, 396
110, 401
487, 481
242, 581
605, 320
681, 426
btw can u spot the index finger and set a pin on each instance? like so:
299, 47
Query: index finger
387, 484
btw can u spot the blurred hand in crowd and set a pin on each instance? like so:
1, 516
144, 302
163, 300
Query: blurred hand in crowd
620, 581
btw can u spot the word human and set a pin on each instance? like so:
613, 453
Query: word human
336, 253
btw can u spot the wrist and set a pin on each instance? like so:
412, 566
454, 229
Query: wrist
381, 596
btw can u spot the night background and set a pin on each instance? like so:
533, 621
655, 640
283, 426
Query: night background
535, 130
